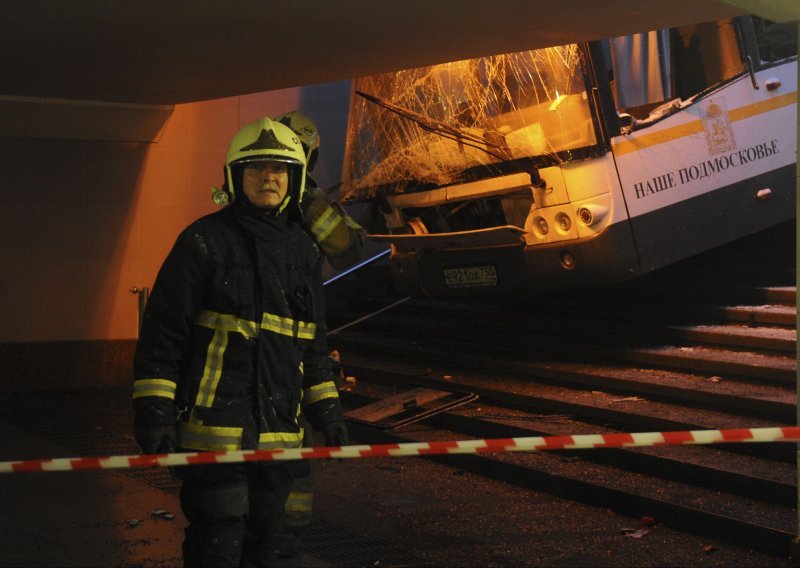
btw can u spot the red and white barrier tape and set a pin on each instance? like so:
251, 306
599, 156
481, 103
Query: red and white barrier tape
781, 434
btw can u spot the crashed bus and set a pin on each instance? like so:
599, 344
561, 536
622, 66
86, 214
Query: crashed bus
576, 165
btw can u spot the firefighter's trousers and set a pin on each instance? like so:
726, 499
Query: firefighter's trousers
300, 503
234, 512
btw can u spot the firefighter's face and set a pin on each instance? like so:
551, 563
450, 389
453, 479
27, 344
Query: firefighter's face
265, 183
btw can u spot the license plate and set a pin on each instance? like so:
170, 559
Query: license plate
467, 276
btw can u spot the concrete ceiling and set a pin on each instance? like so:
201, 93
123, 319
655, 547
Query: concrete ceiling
175, 51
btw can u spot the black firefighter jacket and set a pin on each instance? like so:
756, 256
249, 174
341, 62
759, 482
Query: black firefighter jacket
233, 336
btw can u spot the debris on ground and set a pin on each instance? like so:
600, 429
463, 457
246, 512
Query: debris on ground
133, 523
626, 399
634, 533
161, 514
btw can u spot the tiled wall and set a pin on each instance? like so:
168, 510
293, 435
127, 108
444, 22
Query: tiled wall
81, 222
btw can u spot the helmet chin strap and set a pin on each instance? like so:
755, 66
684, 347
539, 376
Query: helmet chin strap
284, 203
273, 212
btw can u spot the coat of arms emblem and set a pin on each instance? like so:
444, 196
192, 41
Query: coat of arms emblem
717, 125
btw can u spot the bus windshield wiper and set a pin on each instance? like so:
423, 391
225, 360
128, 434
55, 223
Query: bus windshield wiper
441, 128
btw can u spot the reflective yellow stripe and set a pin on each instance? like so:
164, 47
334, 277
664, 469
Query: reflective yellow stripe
286, 326
325, 224
212, 438
213, 369
227, 322
276, 440
270, 322
197, 436
302, 394
222, 324
154, 387
299, 502
350, 222
761, 107
629, 145
320, 392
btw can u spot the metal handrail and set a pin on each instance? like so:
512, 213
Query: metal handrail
355, 267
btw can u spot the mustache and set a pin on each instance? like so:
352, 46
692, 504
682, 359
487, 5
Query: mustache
270, 185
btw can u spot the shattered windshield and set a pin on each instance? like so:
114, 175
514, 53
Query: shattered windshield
424, 127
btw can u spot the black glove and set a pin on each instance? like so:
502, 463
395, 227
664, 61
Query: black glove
156, 439
335, 433
155, 424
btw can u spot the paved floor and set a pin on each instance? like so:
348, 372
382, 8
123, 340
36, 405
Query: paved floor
378, 512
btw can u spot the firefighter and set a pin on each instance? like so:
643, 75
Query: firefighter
341, 239
232, 343
338, 235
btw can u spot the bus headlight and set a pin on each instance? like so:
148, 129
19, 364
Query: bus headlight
563, 222
592, 214
541, 225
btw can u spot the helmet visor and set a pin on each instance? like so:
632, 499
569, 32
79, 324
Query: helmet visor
267, 158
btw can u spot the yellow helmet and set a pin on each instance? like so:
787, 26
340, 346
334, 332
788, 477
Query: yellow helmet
266, 140
306, 131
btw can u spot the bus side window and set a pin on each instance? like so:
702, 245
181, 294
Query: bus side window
705, 54
641, 71
776, 41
